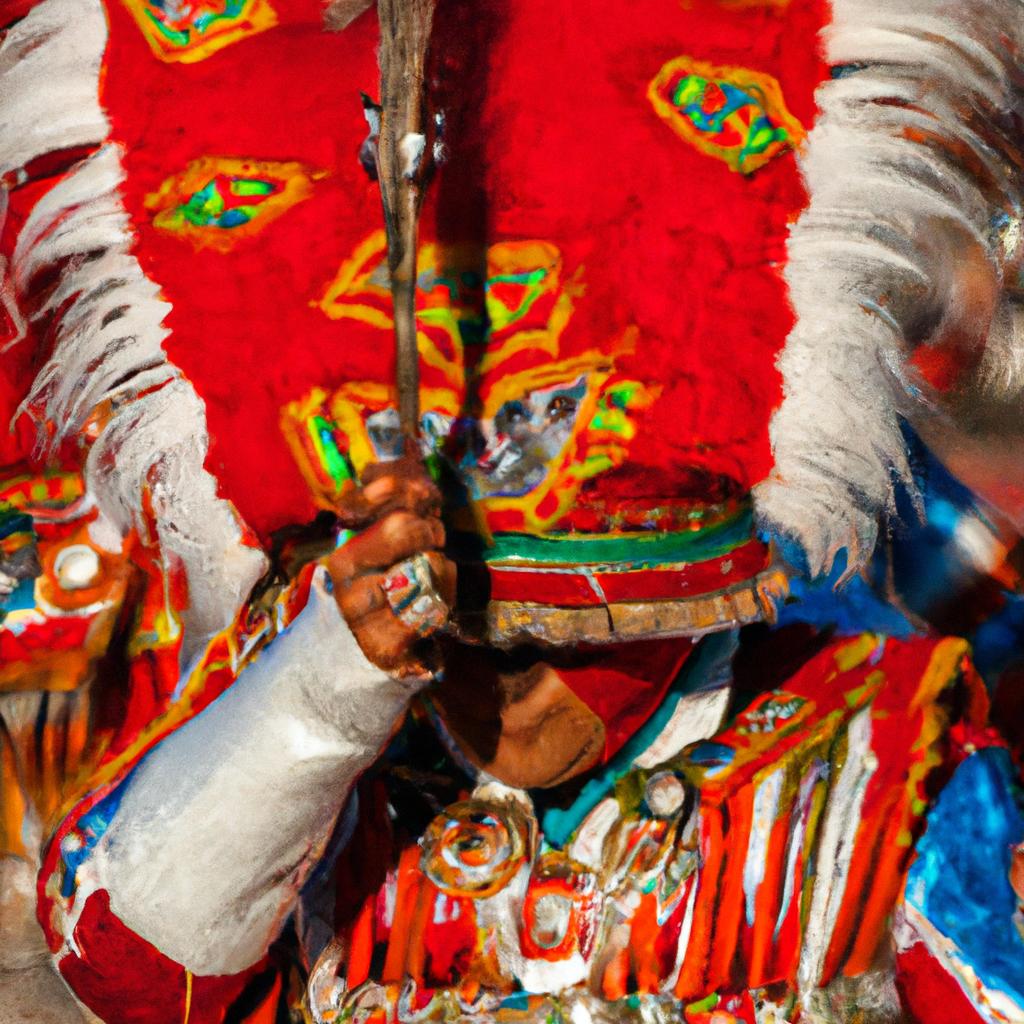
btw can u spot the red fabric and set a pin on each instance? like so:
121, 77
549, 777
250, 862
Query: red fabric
930, 995
14, 10
552, 137
626, 684
577, 590
123, 978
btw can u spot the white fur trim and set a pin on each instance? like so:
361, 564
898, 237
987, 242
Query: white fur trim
108, 342
873, 261
49, 72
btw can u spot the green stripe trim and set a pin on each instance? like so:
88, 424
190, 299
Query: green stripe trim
625, 551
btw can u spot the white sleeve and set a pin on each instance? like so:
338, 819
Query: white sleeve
219, 825
910, 234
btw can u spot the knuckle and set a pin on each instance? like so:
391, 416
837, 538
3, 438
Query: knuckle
426, 500
405, 531
339, 568
424, 489
351, 508
442, 567
425, 533
380, 490
395, 648
396, 524
362, 598
375, 471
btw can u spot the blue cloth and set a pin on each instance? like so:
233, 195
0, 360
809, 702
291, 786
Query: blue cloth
960, 879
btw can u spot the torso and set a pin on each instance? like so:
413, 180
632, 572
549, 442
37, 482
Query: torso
767, 859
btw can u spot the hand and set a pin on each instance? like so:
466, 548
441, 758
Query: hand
398, 510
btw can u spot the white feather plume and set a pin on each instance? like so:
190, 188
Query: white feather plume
102, 323
909, 170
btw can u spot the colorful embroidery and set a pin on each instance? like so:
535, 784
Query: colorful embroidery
196, 29
540, 424
734, 114
216, 201
464, 297
60, 592
760, 857
320, 446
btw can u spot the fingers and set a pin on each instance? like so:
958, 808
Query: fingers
362, 597
394, 641
365, 595
398, 536
389, 493
398, 485
397, 509
389, 643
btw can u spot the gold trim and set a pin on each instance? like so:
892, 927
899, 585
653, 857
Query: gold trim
508, 623
188, 997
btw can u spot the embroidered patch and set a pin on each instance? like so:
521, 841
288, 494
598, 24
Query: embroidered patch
185, 32
216, 201
733, 114
539, 422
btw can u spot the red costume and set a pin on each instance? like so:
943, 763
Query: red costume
600, 306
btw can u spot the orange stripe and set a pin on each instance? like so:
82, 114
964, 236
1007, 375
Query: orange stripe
886, 882
769, 894
416, 954
12, 804
941, 673
615, 980
869, 877
405, 902
691, 976
643, 945
731, 907
361, 946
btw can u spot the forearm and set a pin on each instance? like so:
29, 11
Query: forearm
902, 245
217, 827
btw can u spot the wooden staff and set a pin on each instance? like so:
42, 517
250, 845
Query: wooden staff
402, 159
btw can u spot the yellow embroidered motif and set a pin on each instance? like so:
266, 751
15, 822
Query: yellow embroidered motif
192, 31
216, 201
522, 425
734, 114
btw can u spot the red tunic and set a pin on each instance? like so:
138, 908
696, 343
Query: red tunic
568, 128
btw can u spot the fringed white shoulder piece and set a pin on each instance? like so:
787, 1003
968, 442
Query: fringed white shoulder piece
49, 69
911, 184
104, 318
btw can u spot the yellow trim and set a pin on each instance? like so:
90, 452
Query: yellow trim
760, 86
258, 16
854, 653
188, 996
944, 668
296, 180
